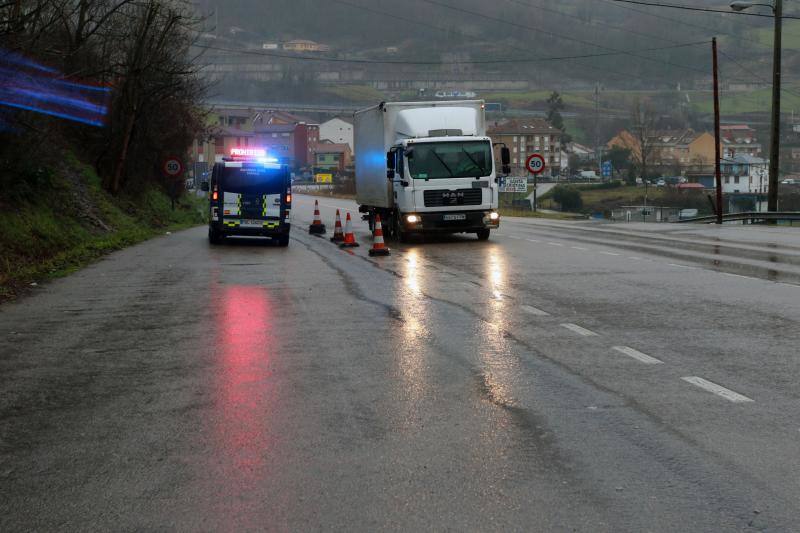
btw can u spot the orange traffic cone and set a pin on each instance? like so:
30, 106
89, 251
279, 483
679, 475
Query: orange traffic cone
378, 246
349, 236
316, 227
338, 234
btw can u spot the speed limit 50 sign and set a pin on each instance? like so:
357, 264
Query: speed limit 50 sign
172, 167
535, 164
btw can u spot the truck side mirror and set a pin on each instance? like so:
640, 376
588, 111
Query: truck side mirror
204, 187
506, 169
505, 156
390, 161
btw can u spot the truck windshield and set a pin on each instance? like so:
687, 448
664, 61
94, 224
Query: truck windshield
470, 159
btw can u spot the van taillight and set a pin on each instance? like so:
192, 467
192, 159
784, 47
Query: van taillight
215, 195
288, 198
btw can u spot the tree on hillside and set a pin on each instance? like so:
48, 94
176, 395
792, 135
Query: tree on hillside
619, 156
555, 104
138, 53
643, 129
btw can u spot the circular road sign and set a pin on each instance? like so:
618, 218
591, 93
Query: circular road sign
535, 164
172, 167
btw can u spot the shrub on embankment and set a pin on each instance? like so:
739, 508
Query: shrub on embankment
55, 216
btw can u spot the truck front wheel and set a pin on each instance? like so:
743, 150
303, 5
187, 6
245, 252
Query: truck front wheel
397, 229
483, 234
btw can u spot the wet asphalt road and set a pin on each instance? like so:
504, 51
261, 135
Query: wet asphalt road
559, 377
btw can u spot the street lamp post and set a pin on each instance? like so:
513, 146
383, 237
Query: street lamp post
774, 147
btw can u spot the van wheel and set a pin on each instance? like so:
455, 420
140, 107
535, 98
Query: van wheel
283, 241
214, 236
483, 234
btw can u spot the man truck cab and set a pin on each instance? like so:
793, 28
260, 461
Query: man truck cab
427, 167
250, 195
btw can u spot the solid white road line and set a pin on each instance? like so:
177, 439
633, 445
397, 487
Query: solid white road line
579, 330
736, 275
639, 356
534, 311
681, 266
719, 390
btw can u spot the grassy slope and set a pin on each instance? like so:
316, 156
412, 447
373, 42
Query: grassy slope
68, 220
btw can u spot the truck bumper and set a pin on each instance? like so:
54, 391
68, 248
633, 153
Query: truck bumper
443, 222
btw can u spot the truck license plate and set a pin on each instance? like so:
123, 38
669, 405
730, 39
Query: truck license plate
460, 216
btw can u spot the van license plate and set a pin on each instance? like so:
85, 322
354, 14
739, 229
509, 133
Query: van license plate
460, 216
250, 222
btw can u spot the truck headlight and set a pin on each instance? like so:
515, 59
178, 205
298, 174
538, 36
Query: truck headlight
412, 219
494, 216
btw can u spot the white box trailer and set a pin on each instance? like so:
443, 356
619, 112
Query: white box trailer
426, 167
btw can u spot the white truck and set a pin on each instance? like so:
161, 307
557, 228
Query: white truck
427, 167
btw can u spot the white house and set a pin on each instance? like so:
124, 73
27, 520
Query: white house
338, 131
745, 174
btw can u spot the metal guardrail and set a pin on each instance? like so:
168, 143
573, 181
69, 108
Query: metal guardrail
750, 216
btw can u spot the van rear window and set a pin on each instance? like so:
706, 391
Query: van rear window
252, 179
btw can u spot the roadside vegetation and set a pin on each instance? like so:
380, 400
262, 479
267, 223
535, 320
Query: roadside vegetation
602, 198
102, 92
56, 217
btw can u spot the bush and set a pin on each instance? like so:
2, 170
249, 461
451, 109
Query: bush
606, 185
569, 198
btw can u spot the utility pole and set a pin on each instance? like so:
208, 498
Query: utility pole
597, 156
775, 144
717, 155
775, 128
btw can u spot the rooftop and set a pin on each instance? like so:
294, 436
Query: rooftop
332, 148
524, 127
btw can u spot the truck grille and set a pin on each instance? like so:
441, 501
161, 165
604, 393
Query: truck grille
445, 198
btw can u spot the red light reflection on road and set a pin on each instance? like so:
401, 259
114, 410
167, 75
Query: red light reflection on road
245, 394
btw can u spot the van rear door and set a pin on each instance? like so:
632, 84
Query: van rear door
253, 193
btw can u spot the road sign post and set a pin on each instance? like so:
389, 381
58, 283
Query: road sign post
607, 169
535, 165
172, 167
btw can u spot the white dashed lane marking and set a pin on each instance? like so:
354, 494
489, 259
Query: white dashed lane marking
532, 240
639, 356
579, 330
555, 244
514, 237
579, 248
719, 390
609, 253
534, 311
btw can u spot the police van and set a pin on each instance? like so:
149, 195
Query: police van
250, 195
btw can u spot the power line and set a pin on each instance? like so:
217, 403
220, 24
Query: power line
712, 30
540, 7
758, 77
439, 63
560, 36
604, 70
701, 9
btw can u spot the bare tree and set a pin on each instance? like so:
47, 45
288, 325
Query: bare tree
643, 127
141, 50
